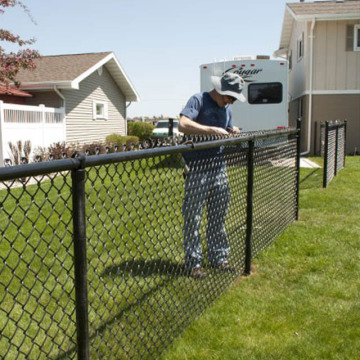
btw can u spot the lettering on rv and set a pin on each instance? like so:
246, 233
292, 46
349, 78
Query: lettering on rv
245, 74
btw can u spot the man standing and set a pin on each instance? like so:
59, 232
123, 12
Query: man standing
208, 113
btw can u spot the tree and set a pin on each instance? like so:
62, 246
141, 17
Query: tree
11, 63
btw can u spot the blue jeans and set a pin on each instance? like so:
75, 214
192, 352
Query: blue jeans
208, 186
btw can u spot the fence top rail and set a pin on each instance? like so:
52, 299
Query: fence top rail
333, 124
80, 161
32, 108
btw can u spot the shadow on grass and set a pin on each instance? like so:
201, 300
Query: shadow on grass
122, 318
145, 326
312, 179
173, 161
145, 268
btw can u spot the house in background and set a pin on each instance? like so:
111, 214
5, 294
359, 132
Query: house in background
92, 88
321, 41
78, 99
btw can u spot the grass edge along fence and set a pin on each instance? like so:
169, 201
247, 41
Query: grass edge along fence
92, 251
334, 150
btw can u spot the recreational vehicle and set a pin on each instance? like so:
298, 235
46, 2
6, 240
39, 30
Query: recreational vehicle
266, 105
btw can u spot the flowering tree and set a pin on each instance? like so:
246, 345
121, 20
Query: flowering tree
12, 62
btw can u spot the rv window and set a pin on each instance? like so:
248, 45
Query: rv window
265, 93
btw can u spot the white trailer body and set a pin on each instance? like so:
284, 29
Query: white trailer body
266, 93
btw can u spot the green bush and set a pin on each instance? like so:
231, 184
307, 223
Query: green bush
92, 147
140, 129
120, 140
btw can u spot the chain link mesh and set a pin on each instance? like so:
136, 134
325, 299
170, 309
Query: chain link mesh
139, 213
322, 139
340, 156
274, 192
331, 143
334, 154
37, 319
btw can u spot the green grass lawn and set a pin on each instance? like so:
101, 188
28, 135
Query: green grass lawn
303, 298
139, 296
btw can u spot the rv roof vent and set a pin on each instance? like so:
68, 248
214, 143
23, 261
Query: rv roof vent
262, 57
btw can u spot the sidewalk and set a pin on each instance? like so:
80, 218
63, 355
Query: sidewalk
306, 163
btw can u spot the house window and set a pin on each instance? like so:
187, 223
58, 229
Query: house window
100, 110
300, 47
357, 38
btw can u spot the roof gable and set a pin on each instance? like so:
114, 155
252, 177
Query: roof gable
325, 9
67, 71
318, 10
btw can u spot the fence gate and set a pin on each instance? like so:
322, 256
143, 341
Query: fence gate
334, 149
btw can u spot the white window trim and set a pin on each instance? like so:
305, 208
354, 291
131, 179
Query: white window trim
356, 38
105, 107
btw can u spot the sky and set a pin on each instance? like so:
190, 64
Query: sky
160, 44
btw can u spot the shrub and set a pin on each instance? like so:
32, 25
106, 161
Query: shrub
20, 151
140, 129
120, 141
93, 148
55, 151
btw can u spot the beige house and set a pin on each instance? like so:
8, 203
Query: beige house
321, 41
93, 90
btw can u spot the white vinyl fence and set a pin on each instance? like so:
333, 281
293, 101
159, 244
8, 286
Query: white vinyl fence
39, 124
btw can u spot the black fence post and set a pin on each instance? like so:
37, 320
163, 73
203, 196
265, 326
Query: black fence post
326, 154
249, 208
298, 151
171, 127
336, 149
80, 261
345, 126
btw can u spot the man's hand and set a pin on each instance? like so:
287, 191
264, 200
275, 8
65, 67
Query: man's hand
191, 127
218, 131
235, 130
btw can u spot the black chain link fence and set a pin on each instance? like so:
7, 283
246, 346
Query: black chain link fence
93, 248
334, 149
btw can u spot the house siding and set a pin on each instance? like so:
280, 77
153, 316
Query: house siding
47, 98
80, 126
295, 113
334, 67
13, 99
338, 107
327, 108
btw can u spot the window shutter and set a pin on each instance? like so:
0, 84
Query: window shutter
350, 38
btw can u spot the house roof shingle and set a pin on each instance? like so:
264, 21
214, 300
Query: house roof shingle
318, 10
4, 90
60, 67
67, 71
325, 8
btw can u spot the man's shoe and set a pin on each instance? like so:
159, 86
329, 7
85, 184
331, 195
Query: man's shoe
197, 273
225, 266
